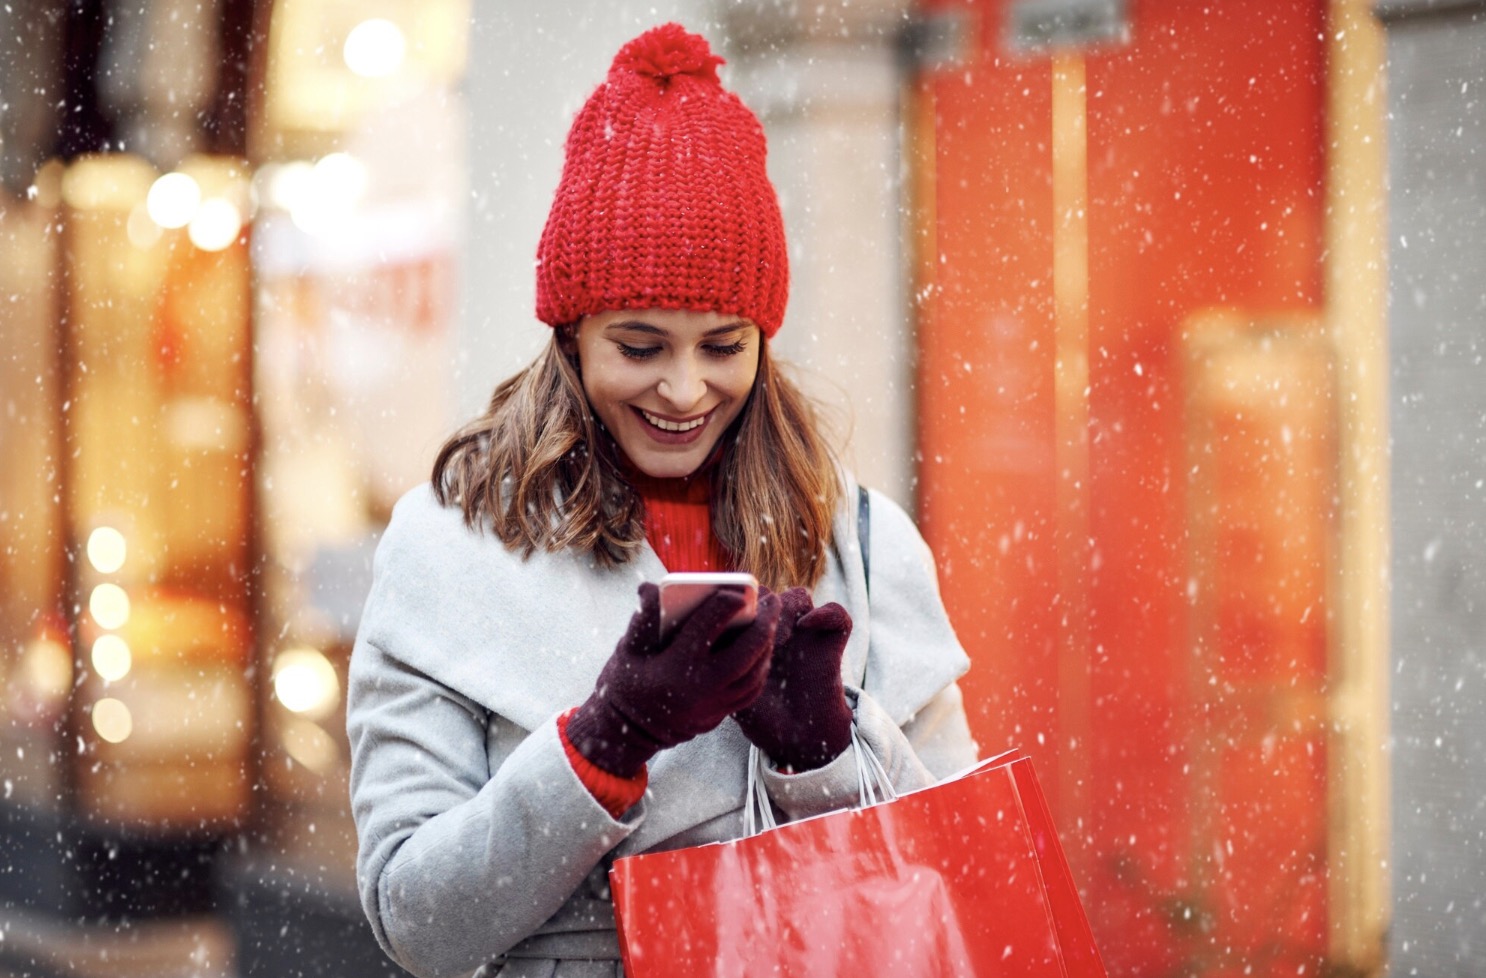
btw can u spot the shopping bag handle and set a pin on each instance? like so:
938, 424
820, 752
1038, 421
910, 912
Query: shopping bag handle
873, 786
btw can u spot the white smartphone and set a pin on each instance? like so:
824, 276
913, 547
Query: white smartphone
681, 592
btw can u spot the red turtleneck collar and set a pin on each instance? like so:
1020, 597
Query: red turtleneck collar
678, 517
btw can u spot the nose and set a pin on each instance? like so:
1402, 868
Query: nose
683, 385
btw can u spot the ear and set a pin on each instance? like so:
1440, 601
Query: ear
567, 341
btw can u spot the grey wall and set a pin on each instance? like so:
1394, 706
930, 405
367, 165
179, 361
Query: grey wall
1437, 336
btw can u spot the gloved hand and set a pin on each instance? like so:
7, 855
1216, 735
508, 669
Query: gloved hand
802, 720
654, 694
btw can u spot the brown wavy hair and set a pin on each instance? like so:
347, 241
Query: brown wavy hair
539, 471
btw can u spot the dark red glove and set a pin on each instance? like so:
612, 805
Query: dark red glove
802, 720
653, 694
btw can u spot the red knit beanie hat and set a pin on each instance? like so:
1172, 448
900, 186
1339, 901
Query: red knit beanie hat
664, 200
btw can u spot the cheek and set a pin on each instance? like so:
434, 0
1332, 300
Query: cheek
606, 383
740, 381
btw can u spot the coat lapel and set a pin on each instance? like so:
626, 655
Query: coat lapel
521, 637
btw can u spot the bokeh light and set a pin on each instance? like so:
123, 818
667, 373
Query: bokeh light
324, 196
109, 606
112, 720
107, 549
143, 232
374, 48
216, 225
309, 744
173, 200
112, 658
45, 669
305, 682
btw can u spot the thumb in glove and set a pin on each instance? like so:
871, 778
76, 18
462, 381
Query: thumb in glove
801, 720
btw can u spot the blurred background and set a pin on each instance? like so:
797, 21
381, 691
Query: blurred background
1165, 318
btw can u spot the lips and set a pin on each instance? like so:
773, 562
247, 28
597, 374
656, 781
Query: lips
668, 431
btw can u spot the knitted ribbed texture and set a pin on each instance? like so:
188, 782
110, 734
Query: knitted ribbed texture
664, 200
617, 795
678, 522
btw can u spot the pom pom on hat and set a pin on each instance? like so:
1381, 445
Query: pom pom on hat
664, 201
667, 51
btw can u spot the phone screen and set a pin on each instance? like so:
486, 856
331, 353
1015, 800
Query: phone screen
682, 592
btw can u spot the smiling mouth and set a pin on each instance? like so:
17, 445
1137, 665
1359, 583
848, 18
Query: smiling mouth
678, 426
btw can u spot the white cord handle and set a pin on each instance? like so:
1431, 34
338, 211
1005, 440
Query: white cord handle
873, 786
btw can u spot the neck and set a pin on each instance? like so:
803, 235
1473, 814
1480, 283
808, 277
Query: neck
647, 484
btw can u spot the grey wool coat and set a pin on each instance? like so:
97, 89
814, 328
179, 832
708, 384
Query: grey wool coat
479, 848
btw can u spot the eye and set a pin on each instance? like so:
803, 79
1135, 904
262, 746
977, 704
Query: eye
727, 351
638, 352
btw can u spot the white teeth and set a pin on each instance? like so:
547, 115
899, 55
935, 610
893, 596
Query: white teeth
665, 425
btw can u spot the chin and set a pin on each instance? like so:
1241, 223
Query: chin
669, 468
669, 465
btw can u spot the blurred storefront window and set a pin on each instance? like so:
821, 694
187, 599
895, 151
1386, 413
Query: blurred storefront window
357, 260
361, 162
223, 369
159, 494
131, 573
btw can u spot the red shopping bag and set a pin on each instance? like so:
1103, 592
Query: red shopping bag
964, 878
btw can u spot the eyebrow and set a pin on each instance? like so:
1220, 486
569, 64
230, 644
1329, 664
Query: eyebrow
640, 326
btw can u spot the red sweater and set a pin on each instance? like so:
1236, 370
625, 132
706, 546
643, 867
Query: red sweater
678, 526
678, 521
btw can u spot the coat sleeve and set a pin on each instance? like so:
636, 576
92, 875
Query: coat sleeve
909, 711
457, 863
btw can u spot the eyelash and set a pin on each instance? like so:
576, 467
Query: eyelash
646, 352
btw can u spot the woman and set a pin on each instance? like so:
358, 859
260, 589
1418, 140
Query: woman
516, 725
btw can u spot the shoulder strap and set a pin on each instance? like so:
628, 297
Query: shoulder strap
864, 535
